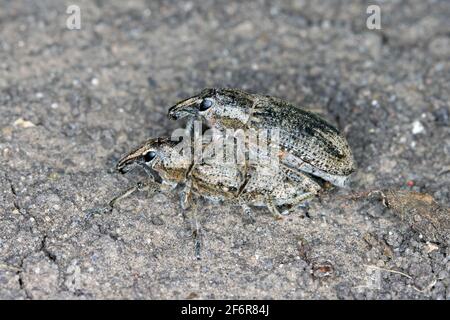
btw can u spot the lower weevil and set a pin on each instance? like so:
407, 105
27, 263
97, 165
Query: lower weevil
216, 180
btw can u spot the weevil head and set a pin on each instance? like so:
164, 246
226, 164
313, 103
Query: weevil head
220, 108
148, 154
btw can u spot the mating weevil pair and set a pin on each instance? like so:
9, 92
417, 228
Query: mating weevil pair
310, 152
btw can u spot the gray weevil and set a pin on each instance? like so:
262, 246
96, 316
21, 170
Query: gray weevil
218, 180
308, 143
262, 185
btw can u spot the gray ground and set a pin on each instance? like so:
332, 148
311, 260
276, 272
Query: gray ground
72, 102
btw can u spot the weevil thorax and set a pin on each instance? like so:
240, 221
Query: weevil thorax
174, 163
232, 107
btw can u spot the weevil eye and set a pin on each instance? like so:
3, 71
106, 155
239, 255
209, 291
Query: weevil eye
206, 104
149, 156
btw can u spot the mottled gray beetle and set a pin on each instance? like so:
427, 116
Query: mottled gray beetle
216, 180
308, 143
263, 185
310, 151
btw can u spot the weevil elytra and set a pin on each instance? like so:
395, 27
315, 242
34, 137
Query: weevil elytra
309, 143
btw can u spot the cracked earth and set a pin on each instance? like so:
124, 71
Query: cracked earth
72, 102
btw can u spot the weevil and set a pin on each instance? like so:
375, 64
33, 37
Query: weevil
214, 179
262, 185
308, 143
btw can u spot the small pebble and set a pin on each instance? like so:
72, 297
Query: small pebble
23, 123
417, 127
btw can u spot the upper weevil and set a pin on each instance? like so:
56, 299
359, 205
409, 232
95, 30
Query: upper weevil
307, 142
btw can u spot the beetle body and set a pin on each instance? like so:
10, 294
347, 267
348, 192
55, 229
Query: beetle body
309, 144
218, 180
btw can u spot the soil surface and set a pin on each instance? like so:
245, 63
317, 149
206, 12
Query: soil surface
73, 101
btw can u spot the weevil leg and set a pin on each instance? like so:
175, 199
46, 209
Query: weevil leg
152, 175
297, 201
109, 207
185, 195
197, 235
190, 124
247, 212
190, 216
140, 186
273, 209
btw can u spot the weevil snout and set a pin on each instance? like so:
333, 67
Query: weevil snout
184, 108
123, 166
143, 156
127, 163
193, 106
